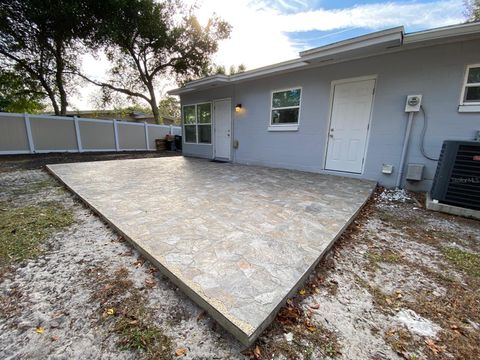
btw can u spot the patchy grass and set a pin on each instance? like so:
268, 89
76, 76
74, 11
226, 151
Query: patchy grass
305, 344
456, 311
122, 306
403, 342
136, 331
308, 338
464, 261
385, 302
385, 256
34, 187
453, 312
23, 230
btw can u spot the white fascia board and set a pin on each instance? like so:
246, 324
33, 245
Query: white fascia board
225, 80
200, 83
267, 70
442, 33
182, 90
377, 38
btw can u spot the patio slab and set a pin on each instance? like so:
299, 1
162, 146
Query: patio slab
239, 240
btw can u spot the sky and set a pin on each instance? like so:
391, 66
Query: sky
265, 32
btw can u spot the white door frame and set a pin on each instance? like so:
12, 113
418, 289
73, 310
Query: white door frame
214, 142
330, 110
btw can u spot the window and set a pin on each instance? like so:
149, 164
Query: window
285, 110
470, 100
197, 123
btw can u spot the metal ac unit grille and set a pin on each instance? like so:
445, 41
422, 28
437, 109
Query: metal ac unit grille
457, 180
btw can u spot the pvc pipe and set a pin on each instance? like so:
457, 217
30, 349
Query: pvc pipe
405, 148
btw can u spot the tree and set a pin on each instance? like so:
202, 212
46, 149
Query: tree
170, 106
146, 40
39, 41
212, 69
18, 94
241, 68
472, 10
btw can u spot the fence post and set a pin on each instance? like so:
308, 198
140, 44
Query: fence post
77, 133
31, 145
146, 136
115, 134
171, 129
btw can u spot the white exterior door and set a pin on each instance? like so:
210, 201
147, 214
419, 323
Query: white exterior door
222, 110
349, 123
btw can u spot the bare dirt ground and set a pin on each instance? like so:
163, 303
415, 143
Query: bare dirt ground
401, 283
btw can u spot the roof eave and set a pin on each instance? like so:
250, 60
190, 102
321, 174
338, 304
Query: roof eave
363, 46
390, 36
462, 30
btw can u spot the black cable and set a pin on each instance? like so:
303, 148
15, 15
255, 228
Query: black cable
422, 135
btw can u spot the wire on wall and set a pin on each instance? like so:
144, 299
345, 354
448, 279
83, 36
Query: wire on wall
422, 135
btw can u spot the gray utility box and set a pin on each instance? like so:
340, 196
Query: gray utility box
415, 172
457, 179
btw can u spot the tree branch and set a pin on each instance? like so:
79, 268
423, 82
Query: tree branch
112, 87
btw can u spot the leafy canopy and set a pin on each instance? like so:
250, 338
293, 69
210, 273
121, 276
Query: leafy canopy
18, 94
147, 41
472, 10
39, 41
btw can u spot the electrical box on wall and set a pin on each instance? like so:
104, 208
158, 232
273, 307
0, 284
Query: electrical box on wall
387, 169
415, 172
413, 103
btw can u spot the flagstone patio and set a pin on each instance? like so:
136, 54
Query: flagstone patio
237, 239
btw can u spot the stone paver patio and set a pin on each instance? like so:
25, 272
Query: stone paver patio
238, 240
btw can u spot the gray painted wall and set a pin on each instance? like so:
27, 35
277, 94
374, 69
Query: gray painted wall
204, 150
436, 72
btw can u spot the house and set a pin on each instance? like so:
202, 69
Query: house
132, 116
341, 108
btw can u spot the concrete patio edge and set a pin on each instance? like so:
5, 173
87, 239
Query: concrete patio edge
220, 318
223, 320
305, 275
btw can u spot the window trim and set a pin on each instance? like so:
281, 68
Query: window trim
196, 124
465, 84
285, 126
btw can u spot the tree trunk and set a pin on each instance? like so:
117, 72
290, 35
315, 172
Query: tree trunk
56, 109
153, 103
59, 78
156, 112
50, 93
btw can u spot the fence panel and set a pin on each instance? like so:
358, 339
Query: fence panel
131, 136
157, 132
96, 135
176, 130
13, 135
23, 133
53, 134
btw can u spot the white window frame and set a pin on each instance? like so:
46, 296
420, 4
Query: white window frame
285, 127
468, 106
196, 124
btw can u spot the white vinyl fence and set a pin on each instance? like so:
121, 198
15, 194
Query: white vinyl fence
28, 134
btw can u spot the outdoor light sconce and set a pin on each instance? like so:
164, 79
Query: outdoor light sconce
238, 108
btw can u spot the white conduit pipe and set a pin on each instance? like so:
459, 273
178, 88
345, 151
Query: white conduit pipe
405, 148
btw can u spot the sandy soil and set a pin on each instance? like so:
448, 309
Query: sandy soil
385, 291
